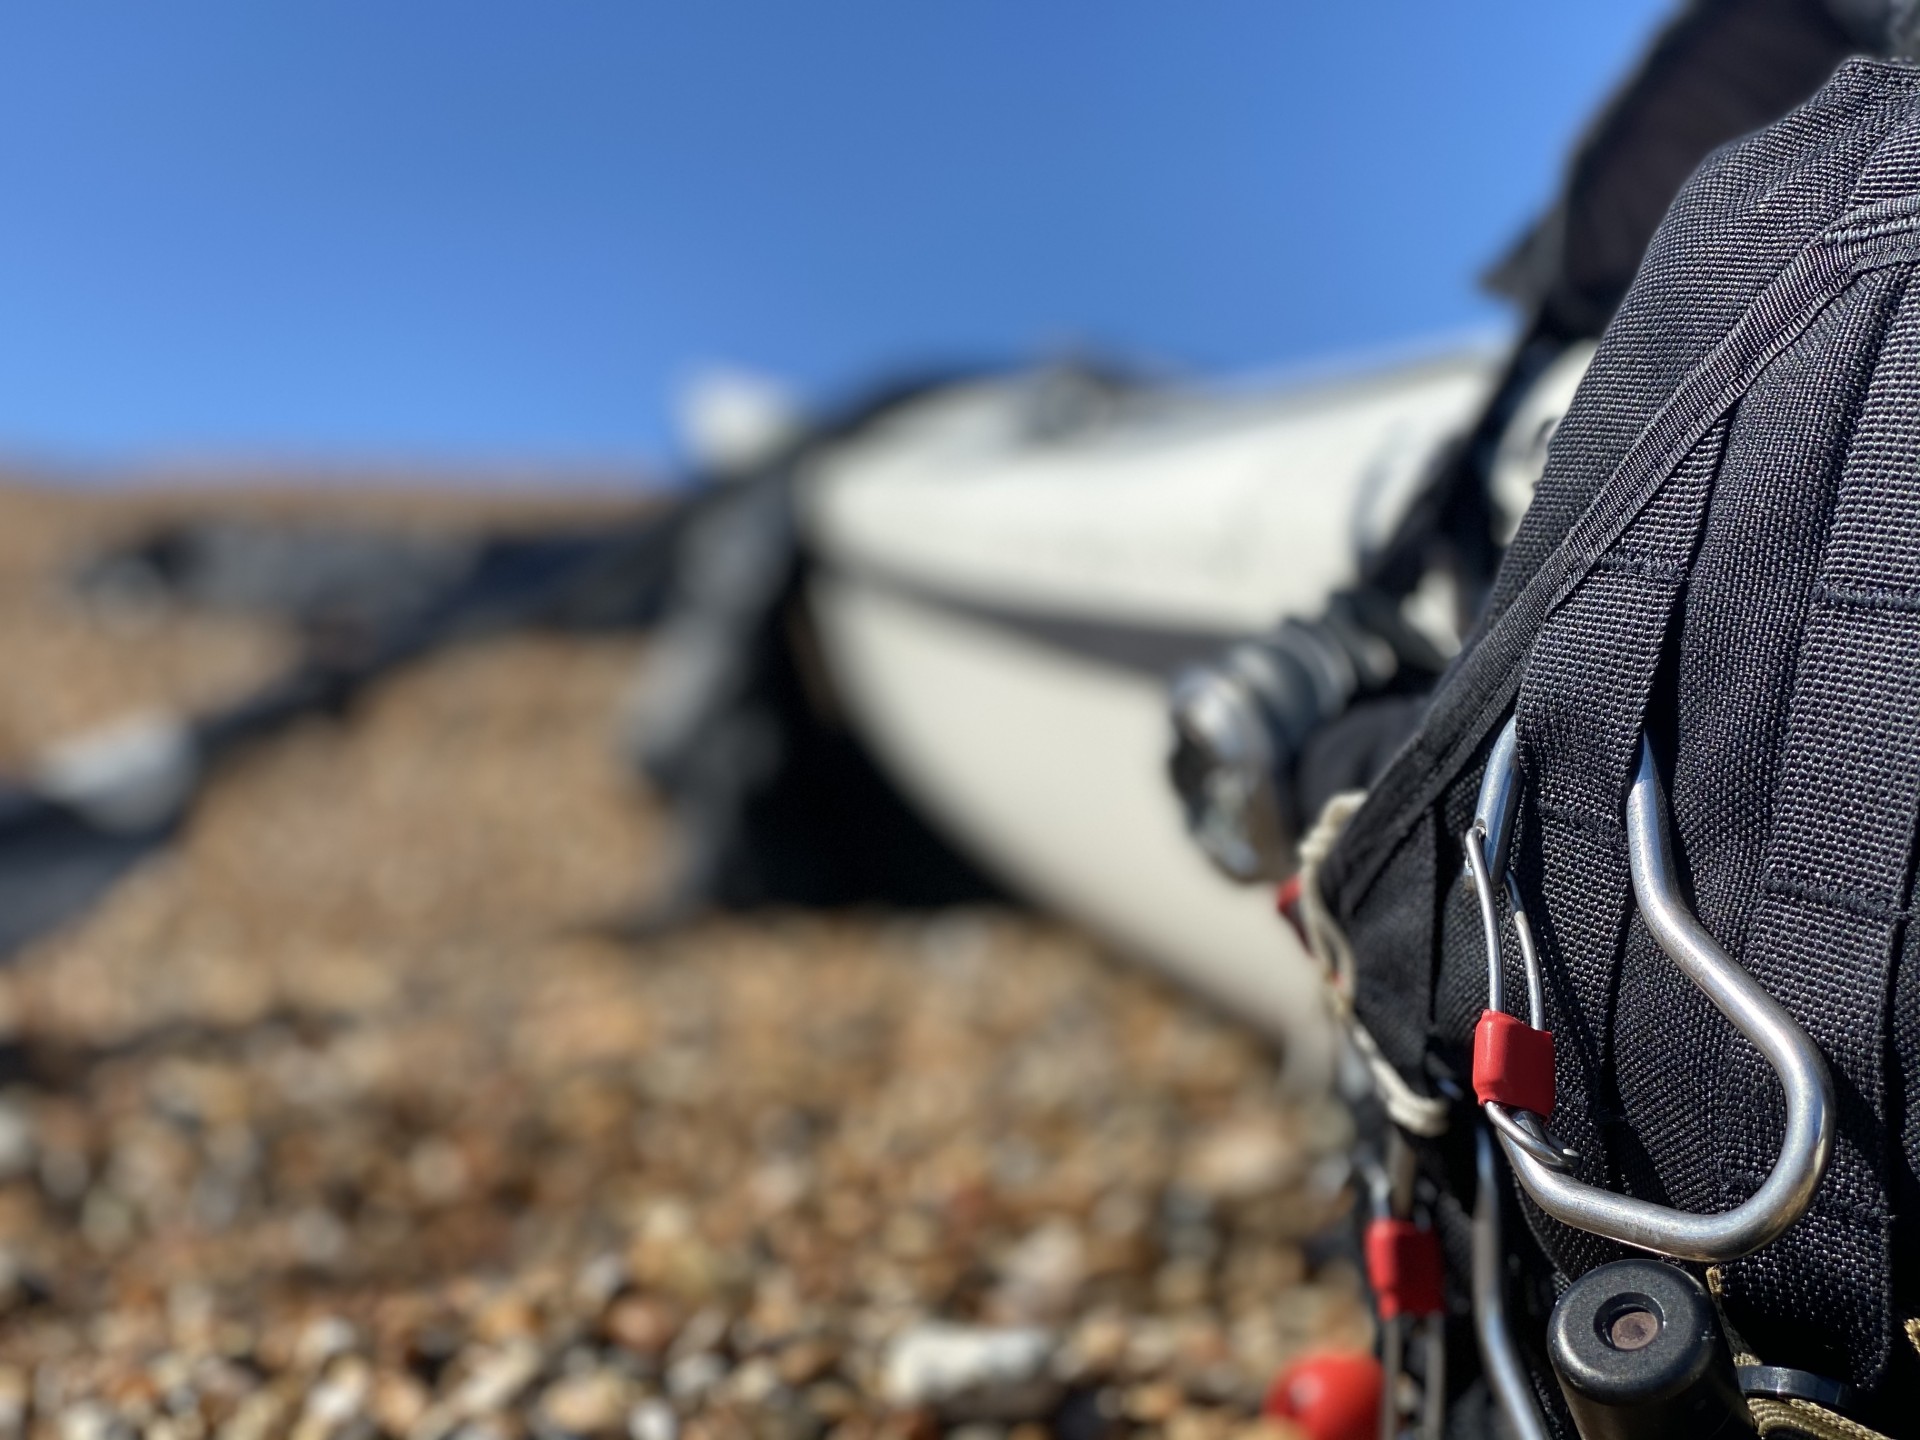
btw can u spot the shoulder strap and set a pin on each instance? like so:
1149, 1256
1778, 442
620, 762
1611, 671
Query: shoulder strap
1580, 715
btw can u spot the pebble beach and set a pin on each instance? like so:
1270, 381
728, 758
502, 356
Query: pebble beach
364, 1109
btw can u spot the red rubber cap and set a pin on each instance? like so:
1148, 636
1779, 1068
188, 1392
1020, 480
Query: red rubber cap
1405, 1270
1286, 900
1513, 1063
1334, 1395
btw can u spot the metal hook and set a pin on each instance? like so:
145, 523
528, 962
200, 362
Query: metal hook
1500, 1358
1519, 1126
1802, 1071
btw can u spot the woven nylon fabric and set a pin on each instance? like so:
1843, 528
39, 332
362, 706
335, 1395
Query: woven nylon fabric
1580, 715
1722, 549
1904, 1077
1730, 273
1740, 648
1834, 892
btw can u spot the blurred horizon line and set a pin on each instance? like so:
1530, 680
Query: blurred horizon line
244, 467
247, 469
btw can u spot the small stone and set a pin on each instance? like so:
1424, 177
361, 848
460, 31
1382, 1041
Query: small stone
652, 1419
336, 1402
600, 1280
19, 1152
498, 1378
1041, 1276
1153, 1403
1096, 1346
318, 1238
805, 1361
754, 1383
970, 1370
639, 1323
90, 1420
591, 1403
258, 1416
1268, 1427
15, 1391
691, 1376
511, 1316
324, 1338
832, 1400
1196, 1424
1151, 1345
1183, 1284
397, 1402
705, 1331
1243, 1158
438, 1171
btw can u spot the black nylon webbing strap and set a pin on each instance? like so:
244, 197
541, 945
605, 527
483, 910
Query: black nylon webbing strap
1580, 715
1835, 893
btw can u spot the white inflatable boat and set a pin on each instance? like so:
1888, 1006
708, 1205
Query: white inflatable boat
1007, 575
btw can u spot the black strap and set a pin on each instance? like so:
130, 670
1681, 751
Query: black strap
1580, 715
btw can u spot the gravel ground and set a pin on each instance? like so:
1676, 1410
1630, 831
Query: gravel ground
353, 1116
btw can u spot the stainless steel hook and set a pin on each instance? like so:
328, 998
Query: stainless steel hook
1506, 1372
1539, 1163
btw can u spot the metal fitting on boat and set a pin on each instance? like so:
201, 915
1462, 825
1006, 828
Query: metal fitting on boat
1242, 720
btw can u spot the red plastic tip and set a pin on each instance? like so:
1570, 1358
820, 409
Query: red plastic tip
1334, 1395
1286, 900
1405, 1269
1513, 1063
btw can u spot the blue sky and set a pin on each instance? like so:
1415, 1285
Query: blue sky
456, 231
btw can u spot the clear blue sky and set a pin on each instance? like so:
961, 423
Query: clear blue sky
451, 230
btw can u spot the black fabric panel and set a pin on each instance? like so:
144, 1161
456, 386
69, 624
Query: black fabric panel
1732, 277
1789, 691
1903, 1064
1390, 994
1746, 606
1834, 895
1460, 987
1750, 211
1350, 752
